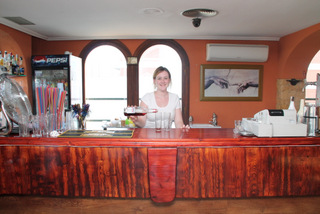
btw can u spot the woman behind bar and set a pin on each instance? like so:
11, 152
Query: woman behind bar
160, 99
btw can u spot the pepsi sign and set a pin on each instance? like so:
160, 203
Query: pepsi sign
50, 60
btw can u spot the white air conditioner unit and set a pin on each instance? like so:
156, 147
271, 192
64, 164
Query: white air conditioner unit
237, 52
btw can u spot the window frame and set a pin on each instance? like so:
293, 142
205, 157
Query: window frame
133, 69
185, 71
314, 60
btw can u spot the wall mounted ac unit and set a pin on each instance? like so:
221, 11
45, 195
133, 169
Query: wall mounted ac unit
237, 53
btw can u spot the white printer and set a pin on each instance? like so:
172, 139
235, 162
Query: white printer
275, 123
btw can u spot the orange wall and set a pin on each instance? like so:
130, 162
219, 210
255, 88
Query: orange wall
228, 111
297, 51
288, 58
18, 43
196, 49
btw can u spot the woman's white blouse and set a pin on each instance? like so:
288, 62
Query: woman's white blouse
150, 100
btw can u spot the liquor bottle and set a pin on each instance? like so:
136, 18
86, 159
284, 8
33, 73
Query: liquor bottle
291, 105
20, 61
5, 61
17, 59
13, 60
15, 64
1, 62
2, 67
9, 63
300, 114
5, 56
1, 59
138, 111
21, 72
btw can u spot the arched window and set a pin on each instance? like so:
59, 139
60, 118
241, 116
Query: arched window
105, 85
110, 84
184, 71
311, 78
153, 57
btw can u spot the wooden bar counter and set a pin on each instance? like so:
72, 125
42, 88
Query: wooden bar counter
161, 166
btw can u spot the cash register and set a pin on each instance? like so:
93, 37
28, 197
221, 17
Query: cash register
275, 123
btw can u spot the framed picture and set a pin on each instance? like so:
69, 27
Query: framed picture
231, 82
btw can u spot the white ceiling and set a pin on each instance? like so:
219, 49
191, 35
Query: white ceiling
126, 19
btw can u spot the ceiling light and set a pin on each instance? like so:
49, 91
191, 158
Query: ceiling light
151, 11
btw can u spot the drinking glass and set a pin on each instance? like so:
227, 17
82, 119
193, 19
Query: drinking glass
36, 128
166, 120
23, 126
237, 126
158, 121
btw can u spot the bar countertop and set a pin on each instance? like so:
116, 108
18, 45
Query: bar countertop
222, 137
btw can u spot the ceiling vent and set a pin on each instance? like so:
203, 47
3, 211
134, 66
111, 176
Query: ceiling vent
19, 20
237, 53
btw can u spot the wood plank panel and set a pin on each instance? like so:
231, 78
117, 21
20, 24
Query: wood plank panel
162, 174
74, 171
265, 171
54, 205
197, 163
304, 171
248, 172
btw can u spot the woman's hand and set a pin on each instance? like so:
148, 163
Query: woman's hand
139, 121
134, 119
186, 126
